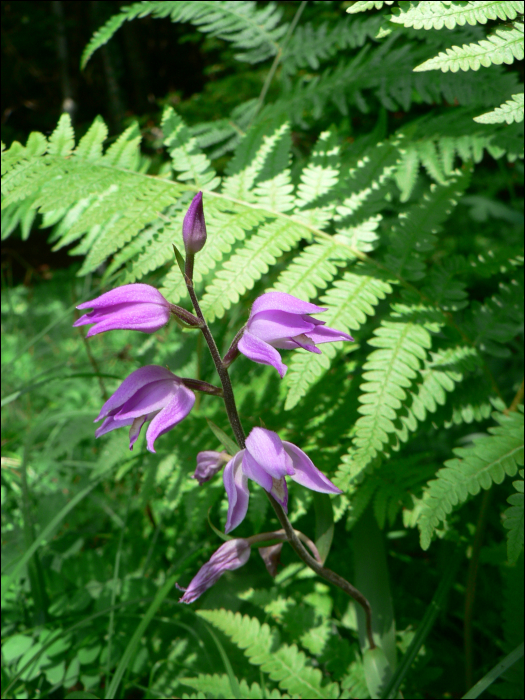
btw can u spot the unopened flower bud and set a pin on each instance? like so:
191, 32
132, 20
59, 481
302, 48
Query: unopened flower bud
271, 557
194, 226
208, 464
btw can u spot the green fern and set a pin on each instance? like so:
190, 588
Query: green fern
219, 686
388, 373
284, 664
348, 302
254, 33
514, 521
487, 461
362, 6
510, 111
505, 46
436, 15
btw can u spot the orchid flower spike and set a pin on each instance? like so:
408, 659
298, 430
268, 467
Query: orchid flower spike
194, 226
279, 320
230, 555
151, 393
137, 307
208, 464
267, 460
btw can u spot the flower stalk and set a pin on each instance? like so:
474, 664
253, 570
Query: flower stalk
231, 409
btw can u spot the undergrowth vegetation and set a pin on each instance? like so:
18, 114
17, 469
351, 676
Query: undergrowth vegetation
378, 174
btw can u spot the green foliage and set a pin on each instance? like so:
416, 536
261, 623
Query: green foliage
355, 182
514, 522
284, 664
253, 33
487, 461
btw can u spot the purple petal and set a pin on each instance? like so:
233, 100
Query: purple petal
146, 318
236, 485
324, 334
266, 448
259, 351
255, 472
273, 325
126, 294
136, 380
302, 342
230, 556
306, 473
175, 411
279, 301
152, 397
110, 424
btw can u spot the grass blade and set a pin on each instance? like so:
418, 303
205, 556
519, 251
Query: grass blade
495, 673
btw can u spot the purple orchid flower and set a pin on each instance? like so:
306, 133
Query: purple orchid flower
151, 393
230, 555
137, 307
208, 464
267, 460
194, 226
279, 320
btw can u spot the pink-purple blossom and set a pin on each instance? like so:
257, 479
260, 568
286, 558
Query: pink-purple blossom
209, 463
231, 555
151, 393
267, 460
137, 307
279, 320
194, 226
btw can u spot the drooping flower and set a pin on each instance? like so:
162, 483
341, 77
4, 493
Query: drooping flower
231, 555
279, 320
151, 393
137, 307
194, 226
267, 460
208, 464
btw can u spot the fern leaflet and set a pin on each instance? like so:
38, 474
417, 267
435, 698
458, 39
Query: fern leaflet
478, 466
286, 664
514, 521
254, 32
510, 111
504, 46
436, 15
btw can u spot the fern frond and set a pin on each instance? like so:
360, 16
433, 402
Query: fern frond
436, 15
504, 46
510, 111
310, 44
286, 664
478, 466
225, 224
219, 686
413, 235
514, 521
249, 264
348, 304
255, 33
388, 373
362, 6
